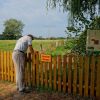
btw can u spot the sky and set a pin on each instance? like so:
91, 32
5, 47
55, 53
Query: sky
37, 19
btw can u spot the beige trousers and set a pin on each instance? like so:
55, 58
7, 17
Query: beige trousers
19, 63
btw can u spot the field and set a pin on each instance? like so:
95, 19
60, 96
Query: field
54, 47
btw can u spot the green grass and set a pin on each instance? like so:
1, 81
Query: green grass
7, 45
53, 47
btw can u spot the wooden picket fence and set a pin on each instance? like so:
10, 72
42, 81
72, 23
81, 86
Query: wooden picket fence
72, 74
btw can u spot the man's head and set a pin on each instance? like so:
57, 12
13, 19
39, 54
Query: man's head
30, 35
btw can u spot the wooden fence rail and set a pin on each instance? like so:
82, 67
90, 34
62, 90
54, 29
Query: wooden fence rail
72, 74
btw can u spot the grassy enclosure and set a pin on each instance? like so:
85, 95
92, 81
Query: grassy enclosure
54, 47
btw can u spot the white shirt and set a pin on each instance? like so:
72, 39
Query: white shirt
22, 43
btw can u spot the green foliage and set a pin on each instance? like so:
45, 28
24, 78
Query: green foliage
80, 46
60, 50
72, 30
81, 13
95, 24
78, 8
70, 43
81, 42
13, 29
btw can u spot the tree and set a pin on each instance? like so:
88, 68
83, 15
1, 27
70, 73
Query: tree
81, 41
80, 11
13, 29
82, 15
77, 8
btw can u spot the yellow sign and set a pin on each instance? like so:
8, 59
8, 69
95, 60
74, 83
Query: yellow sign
45, 58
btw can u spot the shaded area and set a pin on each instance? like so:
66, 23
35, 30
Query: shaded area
8, 92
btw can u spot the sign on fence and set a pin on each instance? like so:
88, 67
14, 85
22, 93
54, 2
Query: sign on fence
45, 58
93, 40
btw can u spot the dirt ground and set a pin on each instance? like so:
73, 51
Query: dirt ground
8, 92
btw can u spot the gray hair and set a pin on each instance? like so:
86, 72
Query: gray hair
30, 35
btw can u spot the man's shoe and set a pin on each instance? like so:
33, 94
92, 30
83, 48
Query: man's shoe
24, 91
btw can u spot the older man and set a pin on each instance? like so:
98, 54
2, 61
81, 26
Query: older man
18, 57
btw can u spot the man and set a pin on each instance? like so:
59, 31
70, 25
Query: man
18, 57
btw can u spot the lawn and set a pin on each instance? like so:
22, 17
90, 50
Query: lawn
7, 45
54, 47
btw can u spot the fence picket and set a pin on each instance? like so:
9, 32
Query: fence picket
34, 68
55, 73
80, 75
29, 69
69, 73
92, 66
86, 75
41, 73
45, 74
64, 73
13, 72
50, 74
5, 66
12, 67
2, 65
75, 75
8, 65
37, 69
59, 73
